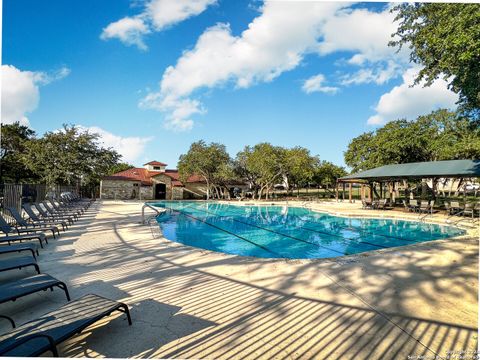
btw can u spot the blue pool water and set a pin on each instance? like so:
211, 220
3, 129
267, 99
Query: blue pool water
287, 232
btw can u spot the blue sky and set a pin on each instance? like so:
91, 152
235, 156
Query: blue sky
153, 76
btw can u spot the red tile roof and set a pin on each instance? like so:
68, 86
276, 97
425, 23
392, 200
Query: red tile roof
145, 176
158, 163
134, 174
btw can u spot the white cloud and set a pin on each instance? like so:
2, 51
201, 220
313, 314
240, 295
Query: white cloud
274, 42
378, 74
156, 16
405, 101
131, 148
129, 30
20, 91
164, 13
315, 84
364, 32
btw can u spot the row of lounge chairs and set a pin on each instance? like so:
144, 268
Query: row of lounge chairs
44, 334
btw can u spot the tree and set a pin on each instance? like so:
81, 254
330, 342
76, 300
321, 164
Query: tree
440, 135
121, 166
299, 165
69, 156
327, 173
204, 160
262, 165
445, 40
15, 139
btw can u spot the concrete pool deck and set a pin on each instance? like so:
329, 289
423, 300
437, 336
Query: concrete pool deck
417, 300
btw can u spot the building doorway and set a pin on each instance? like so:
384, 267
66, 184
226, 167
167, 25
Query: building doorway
160, 191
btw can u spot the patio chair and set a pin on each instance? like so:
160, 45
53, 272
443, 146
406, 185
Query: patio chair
7, 229
382, 204
45, 333
22, 223
367, 204
46, 215
448, 208
33, 218
456, 208
33, 248
476, 208
425, 207
413, 204
469, 209
14, 289
18, 262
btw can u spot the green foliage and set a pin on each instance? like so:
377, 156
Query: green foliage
445, 40
327, 173
121, 166
15, 138
262, 165
300, 166
69, 156
206, 160
440, 135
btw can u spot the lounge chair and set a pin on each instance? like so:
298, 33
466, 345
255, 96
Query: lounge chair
33, 248
46, 215
36, 220
18, 263
45, 333
59, 207
61, 213
7, 229
37, 236
12, 290
25, 225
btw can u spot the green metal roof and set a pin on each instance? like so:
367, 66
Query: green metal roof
432, 169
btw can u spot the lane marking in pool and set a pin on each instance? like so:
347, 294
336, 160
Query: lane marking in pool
361, 231
278, 233
299, 227
228, 232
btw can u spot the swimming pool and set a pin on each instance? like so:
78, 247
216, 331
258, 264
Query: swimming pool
287, 232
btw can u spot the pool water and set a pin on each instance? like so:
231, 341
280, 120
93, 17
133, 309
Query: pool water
287, 232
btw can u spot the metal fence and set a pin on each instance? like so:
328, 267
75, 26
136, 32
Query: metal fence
14, 195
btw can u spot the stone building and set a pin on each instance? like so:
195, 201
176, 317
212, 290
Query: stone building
153, 181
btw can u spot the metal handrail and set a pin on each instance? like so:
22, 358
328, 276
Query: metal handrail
158, 212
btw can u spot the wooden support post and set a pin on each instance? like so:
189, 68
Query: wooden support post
336, 191
350, 193
343, 191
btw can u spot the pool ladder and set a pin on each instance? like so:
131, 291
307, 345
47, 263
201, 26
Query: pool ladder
158, 212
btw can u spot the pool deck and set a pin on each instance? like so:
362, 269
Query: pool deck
399, 303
